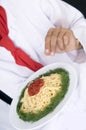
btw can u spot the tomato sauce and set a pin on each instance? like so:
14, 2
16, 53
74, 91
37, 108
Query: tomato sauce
35, 86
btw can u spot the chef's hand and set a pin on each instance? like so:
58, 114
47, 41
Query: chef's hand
60, 40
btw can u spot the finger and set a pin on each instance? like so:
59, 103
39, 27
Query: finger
58, 50
50, 31
53, 44
69, 41
66, 40
54, 39
60, 40
48, 41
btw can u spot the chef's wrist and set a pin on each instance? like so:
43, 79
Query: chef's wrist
78, 44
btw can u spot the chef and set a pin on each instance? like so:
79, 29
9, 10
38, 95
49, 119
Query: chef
34, 34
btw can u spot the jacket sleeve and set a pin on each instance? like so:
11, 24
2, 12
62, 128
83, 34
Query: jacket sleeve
62, 14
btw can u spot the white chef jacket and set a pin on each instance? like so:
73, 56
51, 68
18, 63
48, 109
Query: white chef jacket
28, 23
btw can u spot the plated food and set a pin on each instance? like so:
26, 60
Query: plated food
42, 96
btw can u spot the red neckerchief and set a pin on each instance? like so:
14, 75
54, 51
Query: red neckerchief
21, 58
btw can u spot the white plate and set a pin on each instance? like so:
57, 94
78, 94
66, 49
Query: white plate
21, 125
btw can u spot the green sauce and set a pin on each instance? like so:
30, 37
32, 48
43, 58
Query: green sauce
54, 101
